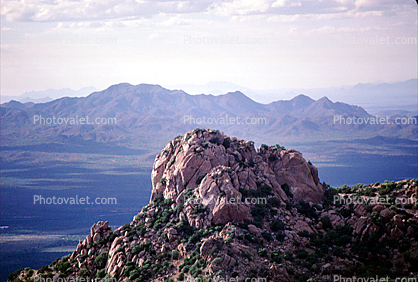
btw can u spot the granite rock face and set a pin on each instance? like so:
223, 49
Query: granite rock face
211, 166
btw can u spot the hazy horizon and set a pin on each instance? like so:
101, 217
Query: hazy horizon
262, 45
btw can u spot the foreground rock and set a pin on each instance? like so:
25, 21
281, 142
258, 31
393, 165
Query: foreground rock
220, 208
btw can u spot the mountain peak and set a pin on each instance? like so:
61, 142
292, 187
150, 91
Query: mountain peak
203, 163
302, 97
220, 208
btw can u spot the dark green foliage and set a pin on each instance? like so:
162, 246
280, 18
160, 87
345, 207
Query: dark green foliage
101, 260
274, 202
83, 272
262, 252
305, 209
276, 257
263, 190
408, 206
215, 140
144, 246
304, 233
278, 147
286, 189
301, 254
251, 239
387, 188
267, 236
346, 213
326, 222
101, 273
272, 158
163, 180
277, 225
12, 276
30, 273
45, 268
184, 228
288, 256
329, 196
227, 143
339, 252
288, 205
340, 236
280, 236
252, 273
246, 255
259, 211
134, 274
196, 236
159, 201
63, 267
175, 254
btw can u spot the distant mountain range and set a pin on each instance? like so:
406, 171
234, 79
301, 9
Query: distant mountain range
145, 115
48, 95
374, 97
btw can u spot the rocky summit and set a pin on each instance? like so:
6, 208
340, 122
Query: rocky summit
222, 209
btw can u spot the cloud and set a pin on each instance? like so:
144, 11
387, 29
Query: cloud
89, 10
341, 8
129, 10
241, 7
154, 36
334, 30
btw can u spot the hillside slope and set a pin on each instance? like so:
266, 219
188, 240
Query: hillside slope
220, 208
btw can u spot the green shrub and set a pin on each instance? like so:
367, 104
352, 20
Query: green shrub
138, 248
267, 236
277, 225
62, 266
262, 252
30, 273
288, 256
329, 196
285, 187
274, 202
175, 254
83, 272
305, 209
216, 261
134, 274
408, 206
101, 273
101, 260
280, 236
246, 255
276, 257
326, 222
301, 254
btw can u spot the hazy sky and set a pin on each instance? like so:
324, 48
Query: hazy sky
256, 44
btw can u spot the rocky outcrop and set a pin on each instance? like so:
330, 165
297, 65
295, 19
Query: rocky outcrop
213, 168
202, 220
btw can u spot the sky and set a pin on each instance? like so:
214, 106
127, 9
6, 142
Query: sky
263, 44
